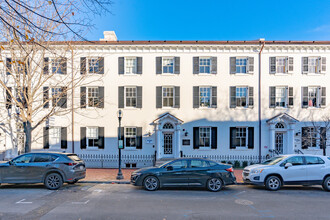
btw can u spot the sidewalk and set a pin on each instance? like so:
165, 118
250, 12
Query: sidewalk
109, 176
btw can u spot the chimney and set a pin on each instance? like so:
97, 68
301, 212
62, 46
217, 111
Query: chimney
109, 36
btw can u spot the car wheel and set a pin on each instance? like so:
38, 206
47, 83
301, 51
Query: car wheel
53, 181
326, 184
151, 183
214, 184
73, 182
273, 183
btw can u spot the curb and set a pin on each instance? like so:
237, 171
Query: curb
107, 182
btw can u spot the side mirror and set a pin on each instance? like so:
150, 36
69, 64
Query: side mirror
169, 168
287, 165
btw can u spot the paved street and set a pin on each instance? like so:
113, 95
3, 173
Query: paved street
122, 201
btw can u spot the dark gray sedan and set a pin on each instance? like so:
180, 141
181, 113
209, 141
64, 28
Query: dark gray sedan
52, 169
188, 172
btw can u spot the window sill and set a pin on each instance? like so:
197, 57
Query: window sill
242, 108
130, 74
280, 74
313, 149
130, 149
205, 74
168, 74
205, 149
241, 149
92, 149
312, 108
206, 108
132, 108
242, 74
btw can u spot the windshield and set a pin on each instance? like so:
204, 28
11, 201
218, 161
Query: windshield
273, 160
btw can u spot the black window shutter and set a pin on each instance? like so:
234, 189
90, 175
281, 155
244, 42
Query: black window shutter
121, 61
46, 97
323, 97
251, 137
64, 65
272, 65
121, 131
101, 97
159, 97
214, 63
272, 96
177, 97
139, 65
290, 95
232, 138
304, 97
139, 96
177, 65
196, 137
100, 141
83, 65
63, 101
8, 98
233, 97
46, 65
139, 138
214, 136
64, 141
251, 100
304, 137
158, 65
8, 66
83, 140
101, 65
251, 65
232, 65
46, 137
323, 137
214, 97
196, 97
195, 65
305, 65
121, 101
83, 95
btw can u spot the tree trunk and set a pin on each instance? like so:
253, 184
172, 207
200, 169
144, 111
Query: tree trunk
28, 136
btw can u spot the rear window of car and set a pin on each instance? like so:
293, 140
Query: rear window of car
313, 160
74, 157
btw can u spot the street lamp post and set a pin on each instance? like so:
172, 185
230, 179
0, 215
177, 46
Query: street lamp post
120, 146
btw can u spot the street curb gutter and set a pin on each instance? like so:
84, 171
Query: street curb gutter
128, 182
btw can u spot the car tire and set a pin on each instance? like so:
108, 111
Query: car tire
151, 183
53, 181
326, 184
73, 182
214, 184
273, 183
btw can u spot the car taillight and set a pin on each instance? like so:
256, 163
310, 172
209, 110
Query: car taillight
231, 169
71, 164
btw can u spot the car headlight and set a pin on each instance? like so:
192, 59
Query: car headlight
256, 171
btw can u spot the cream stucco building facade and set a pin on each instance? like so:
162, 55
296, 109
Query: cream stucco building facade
225, 100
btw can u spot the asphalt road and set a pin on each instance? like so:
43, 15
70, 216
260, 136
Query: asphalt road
121, 201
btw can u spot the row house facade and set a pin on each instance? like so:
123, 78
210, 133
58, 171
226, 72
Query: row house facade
224, 100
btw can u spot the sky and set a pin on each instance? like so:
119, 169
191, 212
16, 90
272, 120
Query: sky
215, 20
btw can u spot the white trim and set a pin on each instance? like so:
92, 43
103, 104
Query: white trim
130, 107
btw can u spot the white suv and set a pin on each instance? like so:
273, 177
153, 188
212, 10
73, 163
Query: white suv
290, 170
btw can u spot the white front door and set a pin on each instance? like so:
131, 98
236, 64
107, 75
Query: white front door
168, 144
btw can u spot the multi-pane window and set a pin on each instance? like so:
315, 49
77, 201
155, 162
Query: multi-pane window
168, 65
280, 64
241, 96
204, 65
93, 97
130, 136
280, 99
56, 66
168, 96
130, 96
312, 96
241, 137
55, 137
130, 65
204, 137
92, 136
57, 93
309, 136
313, 65
204, 96
241, 65
93, 65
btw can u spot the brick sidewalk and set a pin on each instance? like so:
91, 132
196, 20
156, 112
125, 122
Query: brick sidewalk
111, 174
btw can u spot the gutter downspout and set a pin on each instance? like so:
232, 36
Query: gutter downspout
259, 97
72, 98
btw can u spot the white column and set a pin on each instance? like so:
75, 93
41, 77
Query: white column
158, 141
272, 137
290, 145
178, 141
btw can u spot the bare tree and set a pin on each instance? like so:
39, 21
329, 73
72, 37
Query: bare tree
316, 133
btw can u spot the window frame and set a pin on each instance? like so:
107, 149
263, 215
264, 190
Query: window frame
88, 138
210, 97
57, 67
317, 97
168, 58
241, 66
209, 66
133, 66
246, 97
125, 96
210, 137
58, 145
285, 96
316, 64
130, 136
168, 87
285, 64
246, 137
57, 99
312, 139
94, 98
96, 65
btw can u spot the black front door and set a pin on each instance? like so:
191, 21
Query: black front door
177, 176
